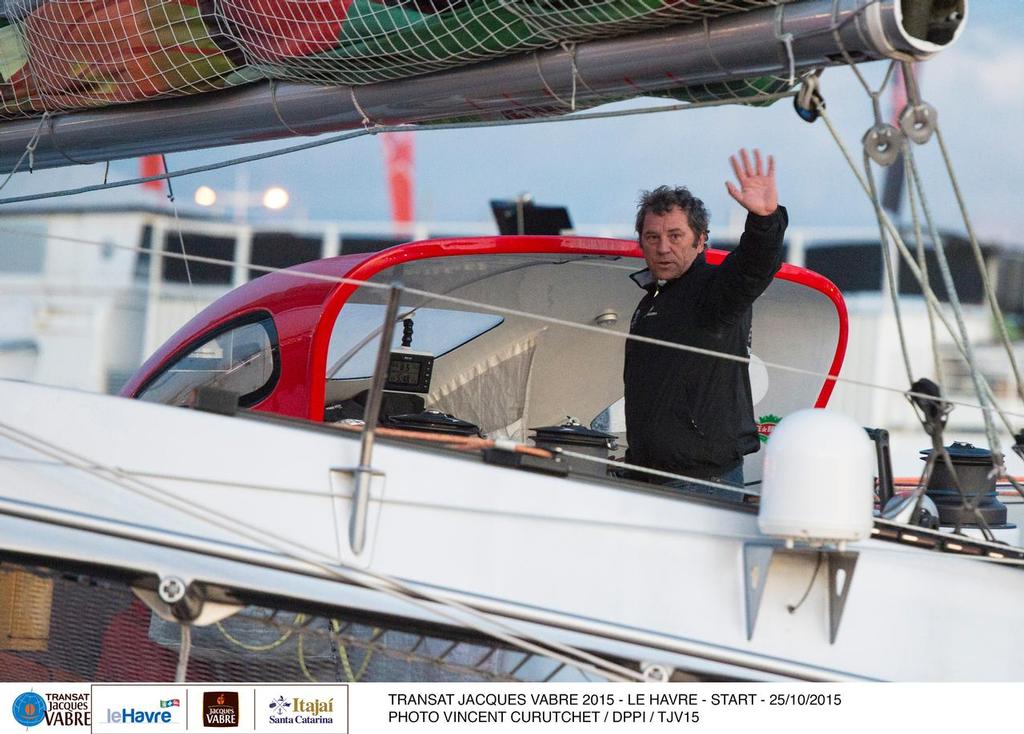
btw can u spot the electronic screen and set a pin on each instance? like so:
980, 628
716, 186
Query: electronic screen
404, 373
409, 372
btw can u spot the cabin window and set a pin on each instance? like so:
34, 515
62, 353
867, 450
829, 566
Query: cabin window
854, 267
368, 243
199, 245
281, 250
962, 266
242, 358
143, 259
1010, 283
352, 353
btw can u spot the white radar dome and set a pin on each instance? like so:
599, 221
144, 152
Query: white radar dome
819, 479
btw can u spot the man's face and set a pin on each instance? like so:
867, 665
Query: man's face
668, 243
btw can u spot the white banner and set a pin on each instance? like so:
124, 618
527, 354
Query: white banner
439, 708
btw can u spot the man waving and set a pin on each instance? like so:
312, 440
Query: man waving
691, 413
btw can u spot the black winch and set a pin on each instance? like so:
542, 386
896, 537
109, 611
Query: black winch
433, 421
572, 436
973, 467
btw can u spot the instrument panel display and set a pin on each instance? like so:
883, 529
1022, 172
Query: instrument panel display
409, 372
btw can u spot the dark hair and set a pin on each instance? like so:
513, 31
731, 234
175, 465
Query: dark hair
664, 198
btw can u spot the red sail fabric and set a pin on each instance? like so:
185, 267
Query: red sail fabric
94, 52
277, 30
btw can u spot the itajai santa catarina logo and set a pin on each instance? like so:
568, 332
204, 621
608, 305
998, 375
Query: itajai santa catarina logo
29, 709
301, 711
765, 425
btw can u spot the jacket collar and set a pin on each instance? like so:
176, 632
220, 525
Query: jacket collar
648, 282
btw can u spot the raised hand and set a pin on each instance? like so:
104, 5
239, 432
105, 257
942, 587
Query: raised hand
756, 193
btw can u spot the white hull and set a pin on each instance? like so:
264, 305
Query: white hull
634, 573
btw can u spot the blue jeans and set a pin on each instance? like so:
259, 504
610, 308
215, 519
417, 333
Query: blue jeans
732, 476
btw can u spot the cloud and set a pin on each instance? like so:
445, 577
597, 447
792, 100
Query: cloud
984, 69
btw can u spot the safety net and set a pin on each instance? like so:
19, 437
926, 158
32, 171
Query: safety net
70, 626
58, 55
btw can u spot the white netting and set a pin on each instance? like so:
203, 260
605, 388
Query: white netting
69, 54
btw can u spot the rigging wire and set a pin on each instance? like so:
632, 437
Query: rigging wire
300, 274
890, 271
985, 396
181, 236
979, 259
474, 618
428, 127
928, 293
984, 390
922, 263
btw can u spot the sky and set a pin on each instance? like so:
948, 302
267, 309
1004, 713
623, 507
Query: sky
597, 168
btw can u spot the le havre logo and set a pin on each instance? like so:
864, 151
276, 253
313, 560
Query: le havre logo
162, 714
220, 708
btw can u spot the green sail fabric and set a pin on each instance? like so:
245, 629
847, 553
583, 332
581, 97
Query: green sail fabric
18, 96
379, 42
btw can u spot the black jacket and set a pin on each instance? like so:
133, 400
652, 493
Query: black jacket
691, 413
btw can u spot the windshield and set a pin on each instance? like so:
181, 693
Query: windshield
352, 351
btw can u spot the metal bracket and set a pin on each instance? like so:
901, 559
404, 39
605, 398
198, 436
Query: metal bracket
176, 600
352, 524
757, 561
918, 122
841, 565
883, 144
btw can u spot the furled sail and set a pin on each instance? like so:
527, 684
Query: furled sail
308, 66
60, 55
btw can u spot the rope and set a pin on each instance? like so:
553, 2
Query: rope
990, 294
181, 238
362, 577
181, 671
984, 395
923, 265
29, 152
343, 653
278, 115
890, 271
261, 648
926, 289
368, 124
787, 42
657, 472
547, 87
570, 48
